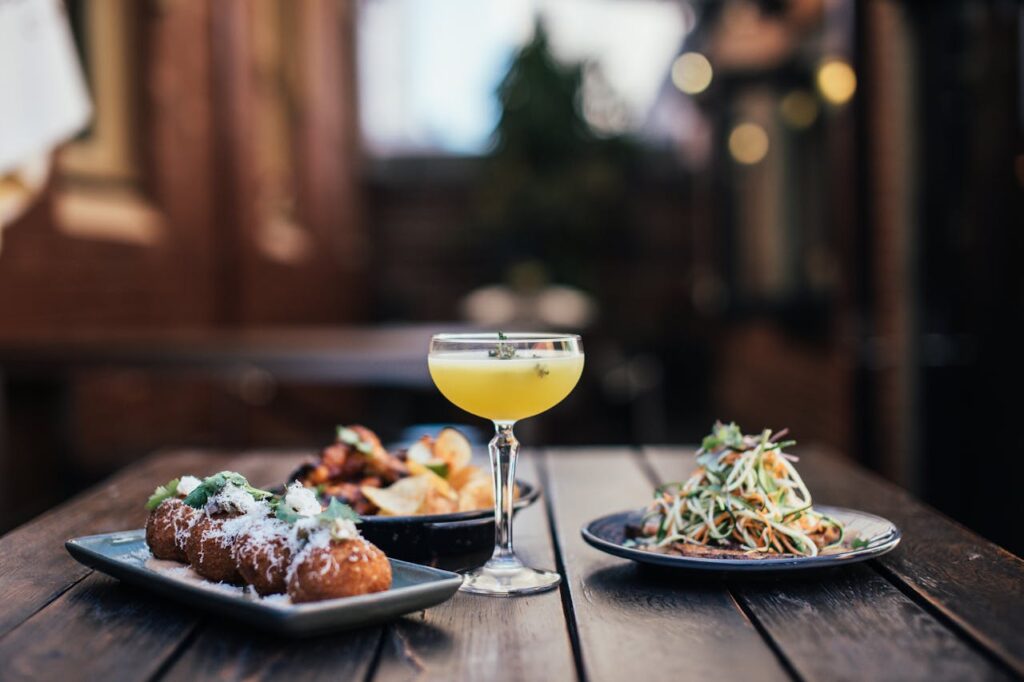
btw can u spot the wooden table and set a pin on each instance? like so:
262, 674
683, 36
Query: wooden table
945, 605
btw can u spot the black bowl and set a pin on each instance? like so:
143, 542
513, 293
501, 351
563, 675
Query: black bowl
451, 541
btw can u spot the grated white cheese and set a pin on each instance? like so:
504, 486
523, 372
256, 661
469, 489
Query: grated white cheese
302, 500
260, 535
343, 529
182, 521
247, 512
185, 574
276, 600
322, 539
317, 538
233, 499
186, 484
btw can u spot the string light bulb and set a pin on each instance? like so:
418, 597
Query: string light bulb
836, 81
692, 73
748, 143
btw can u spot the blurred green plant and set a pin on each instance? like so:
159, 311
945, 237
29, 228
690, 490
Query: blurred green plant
552, 194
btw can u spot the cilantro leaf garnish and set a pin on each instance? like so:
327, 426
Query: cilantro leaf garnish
339, 511
212, 485
162, 492
335, 511
284, 512
723, 435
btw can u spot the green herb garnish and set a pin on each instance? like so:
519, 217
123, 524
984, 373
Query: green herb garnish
502, 351
335, 511
350, 437
860, 543
729, 436
212, 485
284, 512
162, 492
542, 370
339, 511
723, 435
439, 467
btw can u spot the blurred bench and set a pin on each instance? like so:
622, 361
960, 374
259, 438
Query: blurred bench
42, 371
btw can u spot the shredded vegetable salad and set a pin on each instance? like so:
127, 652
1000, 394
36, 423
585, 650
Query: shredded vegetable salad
745, 495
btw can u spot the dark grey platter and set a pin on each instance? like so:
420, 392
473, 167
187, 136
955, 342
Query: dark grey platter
609, 532
414, 588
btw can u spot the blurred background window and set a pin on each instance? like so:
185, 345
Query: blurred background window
429, 69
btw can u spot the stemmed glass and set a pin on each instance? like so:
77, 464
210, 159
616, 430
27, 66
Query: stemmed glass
505, 378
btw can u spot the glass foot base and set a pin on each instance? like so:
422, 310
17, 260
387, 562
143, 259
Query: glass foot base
508, 582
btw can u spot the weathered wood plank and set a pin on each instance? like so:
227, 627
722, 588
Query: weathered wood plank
99, 629
852, 624
110, 625
634, 622
34, 566
483, 638
972, 582
228, 651
847, 623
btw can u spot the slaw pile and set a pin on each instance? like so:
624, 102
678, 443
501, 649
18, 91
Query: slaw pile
744, 495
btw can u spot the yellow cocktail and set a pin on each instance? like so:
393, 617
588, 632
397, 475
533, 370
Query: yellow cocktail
505, 378
505, 389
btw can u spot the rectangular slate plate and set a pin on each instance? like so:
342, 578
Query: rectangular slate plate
414, 588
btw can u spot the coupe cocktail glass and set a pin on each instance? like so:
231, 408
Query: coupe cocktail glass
505, 378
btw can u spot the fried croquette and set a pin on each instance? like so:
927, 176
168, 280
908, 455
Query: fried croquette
168, 528
340, 568
211, 547
263, 554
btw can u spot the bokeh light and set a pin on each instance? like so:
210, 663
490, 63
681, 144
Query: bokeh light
836, 81
799, 109
692, 73
748, 143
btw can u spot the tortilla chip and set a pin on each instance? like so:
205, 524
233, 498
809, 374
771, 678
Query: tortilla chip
436, 482
453, 448
438, 503
421, 451
458, 479
402, 498
476, 494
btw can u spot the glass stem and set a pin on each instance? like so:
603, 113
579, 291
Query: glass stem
504, 449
